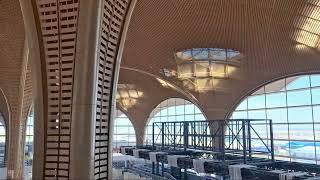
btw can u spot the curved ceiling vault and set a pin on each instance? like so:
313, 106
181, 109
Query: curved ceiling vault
139, 93
12, 41
276, 38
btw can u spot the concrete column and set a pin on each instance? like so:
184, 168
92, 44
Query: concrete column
5, 114
37, 76
82, 153
139, 120
140, 134
77, 61
18, 119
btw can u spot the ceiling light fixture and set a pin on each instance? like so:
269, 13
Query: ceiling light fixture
201, 69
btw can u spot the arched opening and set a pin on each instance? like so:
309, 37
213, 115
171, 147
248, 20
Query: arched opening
173, 109
123, 131
28, 151
2, 141
3, 152
293, 104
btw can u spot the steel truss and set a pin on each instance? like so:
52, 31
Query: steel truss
231, 136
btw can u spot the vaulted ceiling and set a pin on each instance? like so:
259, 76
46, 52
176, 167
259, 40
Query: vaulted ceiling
277, 38
12, 44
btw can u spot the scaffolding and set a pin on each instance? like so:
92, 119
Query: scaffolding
218, 149
219, 137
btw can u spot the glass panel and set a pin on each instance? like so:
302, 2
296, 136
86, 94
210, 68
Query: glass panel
258, 92
277, 115
257, 114
131, 130
187, 54
240, 115
164, 118
302, 150
122, 130
276, 100
175, 109
197, 110
298, 82
124, 133
299, 114
315, 95
172, 110
200, 54
189, 117
242, 105
281, 149
298, 98
189, 109
179, 110
316, 114
157, 114
231, 53
164, 111
276, 86
256, 102
2, 130
317, 132
315, 80
301, 131
2, 141
218, 54
120, 122
180, 118
280, 132
155, 119
199, 117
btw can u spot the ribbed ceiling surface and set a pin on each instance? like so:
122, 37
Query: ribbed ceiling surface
277, 38
12, 38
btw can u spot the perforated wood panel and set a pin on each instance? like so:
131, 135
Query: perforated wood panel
112, 20
58, 22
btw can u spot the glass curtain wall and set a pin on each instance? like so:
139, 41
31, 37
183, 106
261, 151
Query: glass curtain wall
2, 141
29, 139
173, 109
28, 150
293, 104
123, 132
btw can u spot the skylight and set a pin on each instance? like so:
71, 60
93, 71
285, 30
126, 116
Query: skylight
201, 69
215, 54
308, 26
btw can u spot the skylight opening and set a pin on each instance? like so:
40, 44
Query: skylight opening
308, 26
201, 69
207, 54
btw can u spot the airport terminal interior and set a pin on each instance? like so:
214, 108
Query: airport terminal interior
160, 89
